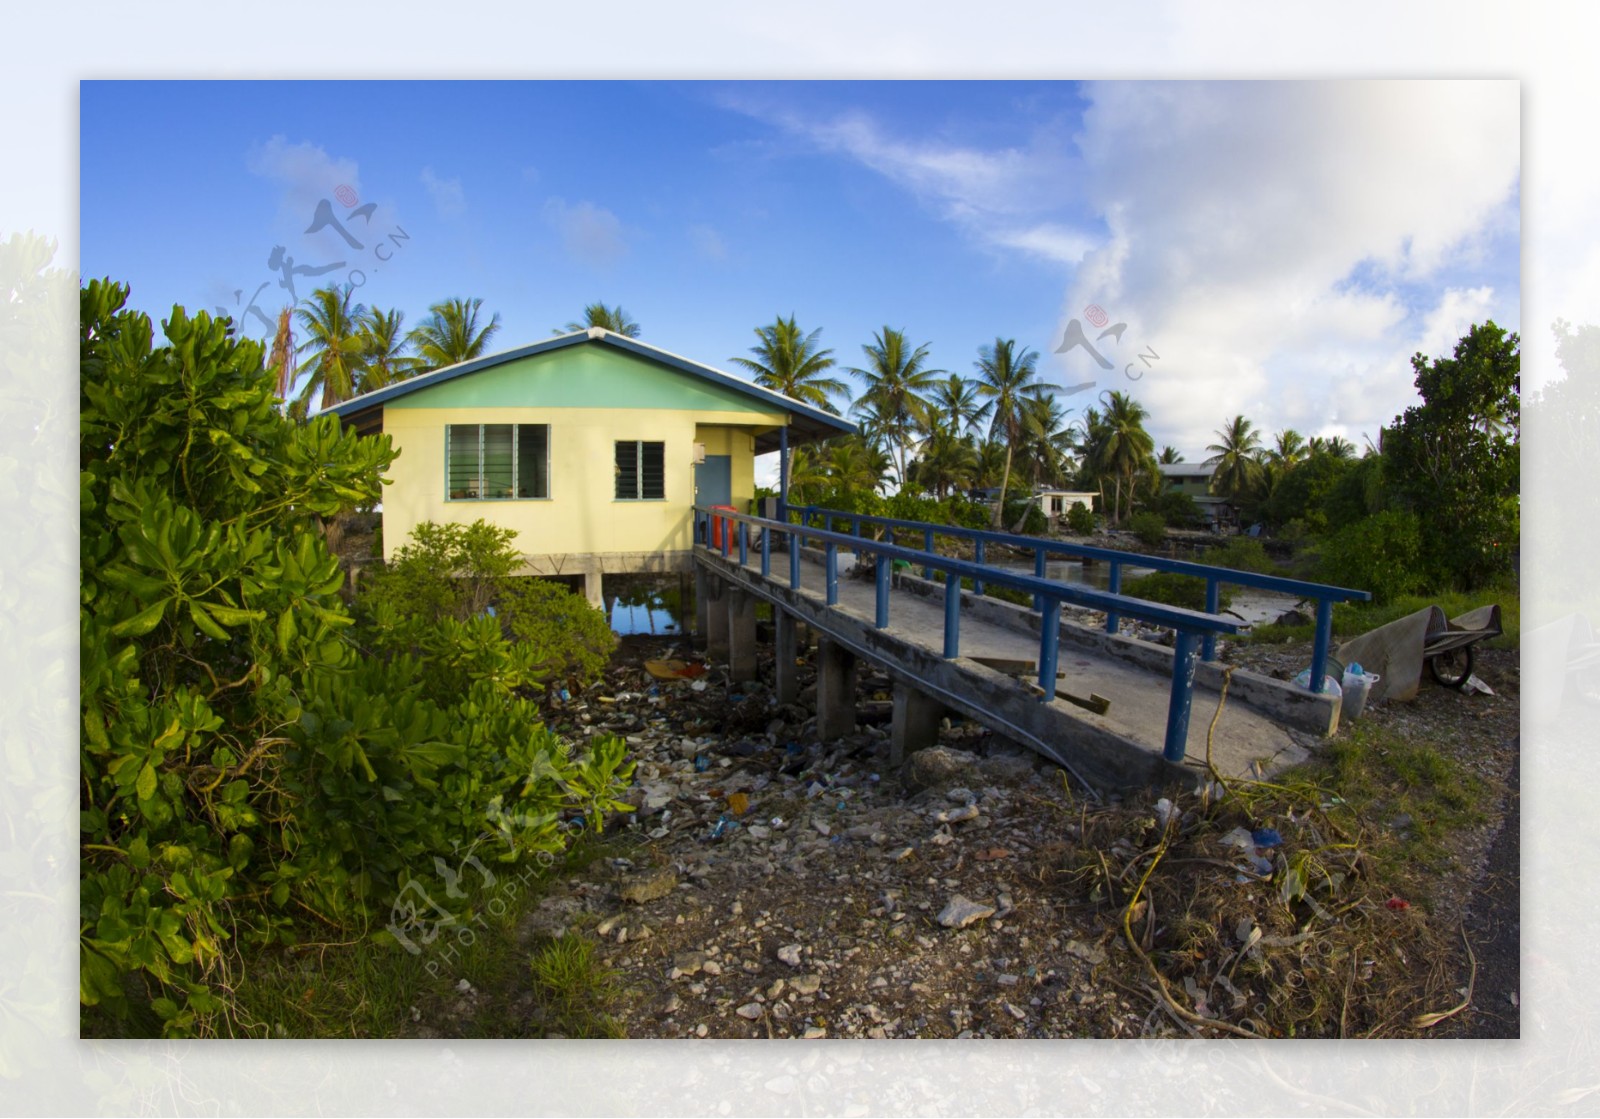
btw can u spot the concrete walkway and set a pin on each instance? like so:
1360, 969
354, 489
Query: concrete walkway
1120, 747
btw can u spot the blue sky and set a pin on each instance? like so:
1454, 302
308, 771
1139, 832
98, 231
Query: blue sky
1276, 249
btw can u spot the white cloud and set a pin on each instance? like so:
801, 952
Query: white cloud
448, 197
590, 233
307, 172
998, 196
708, 242
1284, 247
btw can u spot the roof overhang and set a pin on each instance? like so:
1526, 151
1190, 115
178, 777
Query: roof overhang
806, 424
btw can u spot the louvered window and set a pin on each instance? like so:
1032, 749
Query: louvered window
490, 462
641, 471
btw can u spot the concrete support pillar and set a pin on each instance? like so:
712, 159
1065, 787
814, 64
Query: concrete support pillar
716, 619
741, 634
916, 722
836, 690
702, 598
784, 650
591, 589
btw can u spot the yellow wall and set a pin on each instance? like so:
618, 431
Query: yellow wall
582, 515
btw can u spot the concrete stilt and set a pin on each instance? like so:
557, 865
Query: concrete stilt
716, 617
783, 650
836, 690
702, 596
741, 634
916, 723
592, 591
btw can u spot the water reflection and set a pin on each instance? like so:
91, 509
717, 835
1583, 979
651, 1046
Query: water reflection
654, 604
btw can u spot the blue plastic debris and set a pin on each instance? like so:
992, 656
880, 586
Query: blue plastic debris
1266, 837
725, 824
701, 763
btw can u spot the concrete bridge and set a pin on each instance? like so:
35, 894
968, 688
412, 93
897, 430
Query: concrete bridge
1113, 710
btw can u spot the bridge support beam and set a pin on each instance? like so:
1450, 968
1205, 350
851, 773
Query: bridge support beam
716, 620
702, 597
784, 648
836, 690
916, 723
741, 622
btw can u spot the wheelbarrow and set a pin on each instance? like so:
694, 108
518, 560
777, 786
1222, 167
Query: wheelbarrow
1449, 652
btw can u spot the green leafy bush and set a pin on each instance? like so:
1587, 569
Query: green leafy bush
1080, 519
1242, 553
1149, 528
1187, 591
1381, 554
251, 769
1177, 509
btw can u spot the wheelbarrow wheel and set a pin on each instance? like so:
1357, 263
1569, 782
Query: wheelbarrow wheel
1451, 669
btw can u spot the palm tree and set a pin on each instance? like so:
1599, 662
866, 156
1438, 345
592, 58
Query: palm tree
1169, 456
282, 358
947, 462
807, 477
1340, 447
1006, 379
991, 457
1238, 469
385, 345
334, 341
452, 334
853, 466
789, 363
955, 402
895, 380
614, 319
1046, 444
1288, 449
1126, 449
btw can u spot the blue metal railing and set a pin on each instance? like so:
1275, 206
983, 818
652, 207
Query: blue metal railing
714, 529
1215, 577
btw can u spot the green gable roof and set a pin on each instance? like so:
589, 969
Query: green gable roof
596, 369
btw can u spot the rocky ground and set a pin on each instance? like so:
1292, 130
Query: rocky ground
770, 886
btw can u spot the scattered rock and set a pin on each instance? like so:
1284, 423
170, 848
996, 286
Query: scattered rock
936, 765
750, 1010
962, 911
648, 885
956, 815
790, 954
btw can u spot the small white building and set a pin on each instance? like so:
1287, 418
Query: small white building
1057, 503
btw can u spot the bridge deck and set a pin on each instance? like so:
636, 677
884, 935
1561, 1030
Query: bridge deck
1124, 745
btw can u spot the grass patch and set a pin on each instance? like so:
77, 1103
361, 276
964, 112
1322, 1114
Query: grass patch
372, 987
1352, 619
1186, 591
1415, 795
574, 989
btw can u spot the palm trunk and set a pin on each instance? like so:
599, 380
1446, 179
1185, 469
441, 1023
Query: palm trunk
1000, 509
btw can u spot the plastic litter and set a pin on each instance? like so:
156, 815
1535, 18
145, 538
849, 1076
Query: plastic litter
701, 763
1330, 684
1474, 684
1266, 837
1398, 904
1357, 683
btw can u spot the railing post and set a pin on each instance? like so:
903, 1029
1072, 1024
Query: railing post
725, 527
744, 543
1038, 573
1049, 647
1113, 619
794, 560
766, 551
977, 557
1183, 665
830, 566
1319, 646
882, 573
952, 614
1208, 643
927, 546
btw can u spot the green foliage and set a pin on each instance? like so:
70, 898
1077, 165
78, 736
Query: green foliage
1177, 509
1187, 591
1024, 515
244, 766
1304, 492
1150, 528
1453, 460
434, 599
1080, 519
1382, 554
1242, 553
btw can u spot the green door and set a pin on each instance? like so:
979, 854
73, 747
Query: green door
713, 480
